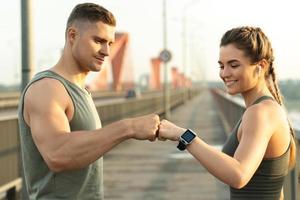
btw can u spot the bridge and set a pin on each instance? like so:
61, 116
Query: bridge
142, 169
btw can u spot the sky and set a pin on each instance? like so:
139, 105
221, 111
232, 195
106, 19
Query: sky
206, 21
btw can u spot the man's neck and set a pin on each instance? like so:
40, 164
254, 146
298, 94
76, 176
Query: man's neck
70, 71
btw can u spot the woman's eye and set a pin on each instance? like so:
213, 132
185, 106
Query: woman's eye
234, 66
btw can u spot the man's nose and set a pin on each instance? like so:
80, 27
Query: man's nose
105, 48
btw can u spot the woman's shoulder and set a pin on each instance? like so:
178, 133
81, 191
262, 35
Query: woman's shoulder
267, 111
269, 108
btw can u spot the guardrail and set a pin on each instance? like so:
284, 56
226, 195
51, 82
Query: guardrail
231, 109
109, 112
10, 190
10, 100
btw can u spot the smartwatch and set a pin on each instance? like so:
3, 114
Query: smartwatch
185, 139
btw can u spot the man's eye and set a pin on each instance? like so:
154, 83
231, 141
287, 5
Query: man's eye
234, 66
221, 67
99, 41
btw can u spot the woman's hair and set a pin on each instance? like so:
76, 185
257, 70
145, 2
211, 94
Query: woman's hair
256, 46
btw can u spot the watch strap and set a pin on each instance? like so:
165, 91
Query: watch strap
181, 146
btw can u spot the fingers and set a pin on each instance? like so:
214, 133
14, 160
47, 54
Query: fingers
146, 127
157, 133
161, 131
168, 130
152, 139
157, 123
149, 127
162, 138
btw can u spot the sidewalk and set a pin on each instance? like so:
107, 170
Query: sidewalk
142, 170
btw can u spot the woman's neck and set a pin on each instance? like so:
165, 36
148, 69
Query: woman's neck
251, 95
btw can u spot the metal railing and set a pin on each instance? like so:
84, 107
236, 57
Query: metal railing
9, 190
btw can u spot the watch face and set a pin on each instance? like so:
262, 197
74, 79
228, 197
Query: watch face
188, 136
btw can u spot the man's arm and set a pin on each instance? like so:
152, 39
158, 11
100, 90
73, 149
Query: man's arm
46, 103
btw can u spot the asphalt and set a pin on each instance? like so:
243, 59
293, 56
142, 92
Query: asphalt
143, 170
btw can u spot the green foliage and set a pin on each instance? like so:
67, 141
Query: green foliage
9, 88
290, 89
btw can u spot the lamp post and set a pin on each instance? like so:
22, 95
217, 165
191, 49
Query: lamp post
184, 31
184, 37
165, 56
27, 65
27, 42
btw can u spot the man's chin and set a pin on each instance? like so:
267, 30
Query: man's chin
97, 69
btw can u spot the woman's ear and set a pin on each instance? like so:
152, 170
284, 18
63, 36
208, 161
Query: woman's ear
262, 66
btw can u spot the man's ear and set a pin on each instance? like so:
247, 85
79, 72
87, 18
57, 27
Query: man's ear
71, 34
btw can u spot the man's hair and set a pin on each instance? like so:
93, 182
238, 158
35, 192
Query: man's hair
92, 13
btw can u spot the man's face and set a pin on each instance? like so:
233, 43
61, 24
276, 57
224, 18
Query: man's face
92, 44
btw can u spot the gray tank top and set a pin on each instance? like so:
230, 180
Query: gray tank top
268, 179
41, 183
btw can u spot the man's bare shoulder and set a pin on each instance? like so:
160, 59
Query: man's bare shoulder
45, 92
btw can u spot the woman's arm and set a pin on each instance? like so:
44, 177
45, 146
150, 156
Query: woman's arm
257, 128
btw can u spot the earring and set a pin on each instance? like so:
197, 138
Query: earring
259, 70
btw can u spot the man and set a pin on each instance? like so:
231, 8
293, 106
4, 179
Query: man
61, 137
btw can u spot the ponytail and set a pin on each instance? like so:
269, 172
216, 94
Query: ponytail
275, 91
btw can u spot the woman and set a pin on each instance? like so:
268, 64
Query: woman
261, 149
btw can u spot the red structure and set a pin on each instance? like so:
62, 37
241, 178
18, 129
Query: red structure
175, 77
155, 83
118, 70
178, 79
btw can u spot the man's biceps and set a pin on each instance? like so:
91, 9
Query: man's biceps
43, 126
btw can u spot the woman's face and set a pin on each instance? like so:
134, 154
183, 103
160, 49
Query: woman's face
236, 70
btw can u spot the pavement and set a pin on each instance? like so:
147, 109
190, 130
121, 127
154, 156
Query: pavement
143, 170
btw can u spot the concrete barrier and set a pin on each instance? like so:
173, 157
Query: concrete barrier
109, 112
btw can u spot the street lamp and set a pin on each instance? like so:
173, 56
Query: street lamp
27, 42
165, 56
27, 65
184, 33
184, 38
